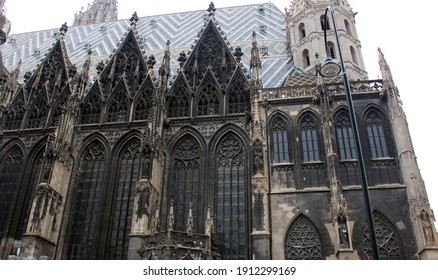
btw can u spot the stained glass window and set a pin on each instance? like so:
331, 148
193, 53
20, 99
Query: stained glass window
186, 184
10, 171
231, 200
86, 203
280, 140
376, 135
309, 139
344, 133
126, 179
303, 241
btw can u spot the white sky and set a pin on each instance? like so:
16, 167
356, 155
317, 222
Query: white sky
403, 30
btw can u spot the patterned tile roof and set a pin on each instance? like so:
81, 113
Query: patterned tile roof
181, 29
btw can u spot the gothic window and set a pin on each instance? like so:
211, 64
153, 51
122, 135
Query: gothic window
91, 108
238, 96
59, 107
30, 192
309, 139
81, 239
231, 200
306, 58
376, 135
347, 27
123, 199
353, 54
186, 187
178, 102
143, 106
332, 50
303, 241
388, 240
280, 140
118, 109
323, 23
39, 111
302, 31
10, 174
344, 134
208, 102
14, 116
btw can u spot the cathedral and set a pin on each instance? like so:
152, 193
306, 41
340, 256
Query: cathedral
203, 135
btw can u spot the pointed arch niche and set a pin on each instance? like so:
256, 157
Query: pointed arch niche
388, 239
303, 240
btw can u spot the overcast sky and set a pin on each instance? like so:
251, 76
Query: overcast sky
404, 31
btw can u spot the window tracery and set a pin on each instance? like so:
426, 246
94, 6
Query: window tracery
388, 240
208, 103
10, 171
186, 188
39, 111
344, 133
143, 108
178, 102
309, 139
14, 116
376, 135
91, 108
231, 199
238, 96
128, 170
303, 241
280, 140
81, 239
119, 108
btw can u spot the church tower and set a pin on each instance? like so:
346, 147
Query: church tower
98, 12
305, 33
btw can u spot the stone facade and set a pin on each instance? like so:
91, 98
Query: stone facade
209, 151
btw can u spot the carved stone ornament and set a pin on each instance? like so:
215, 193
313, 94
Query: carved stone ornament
46, 201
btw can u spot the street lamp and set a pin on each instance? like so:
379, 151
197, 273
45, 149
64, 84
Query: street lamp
330, 68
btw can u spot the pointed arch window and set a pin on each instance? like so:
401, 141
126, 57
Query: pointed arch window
353, 54
39, 112
302, 31
376, 135
238, 96
306, 58
345, 136
309, 139
178, 102
208, 103
57, 114
123, 199
280, 140
303, 241
14, 116
388, 239
144, 102
323, 23
81, 239
347, 27
231, 199
186, 188
332, 50
91, 108
11, 166
118, 109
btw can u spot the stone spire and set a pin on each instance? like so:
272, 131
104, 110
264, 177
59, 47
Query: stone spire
98, 12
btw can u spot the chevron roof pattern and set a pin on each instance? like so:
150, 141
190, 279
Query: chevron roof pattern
181, 29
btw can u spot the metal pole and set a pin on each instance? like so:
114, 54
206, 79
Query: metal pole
351, 110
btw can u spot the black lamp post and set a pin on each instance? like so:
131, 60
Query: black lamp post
330, 68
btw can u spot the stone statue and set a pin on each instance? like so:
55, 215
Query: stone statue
343, 231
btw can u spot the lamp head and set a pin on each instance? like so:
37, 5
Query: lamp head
330, 68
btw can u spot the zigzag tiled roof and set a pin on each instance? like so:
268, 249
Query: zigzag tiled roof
181, 29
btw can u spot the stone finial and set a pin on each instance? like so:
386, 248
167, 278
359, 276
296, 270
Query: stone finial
238, 54
170, 218
134, 19
211, 10
63, 29
182, 58
190, 219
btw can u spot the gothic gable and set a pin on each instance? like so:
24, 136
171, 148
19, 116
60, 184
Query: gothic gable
127, 63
